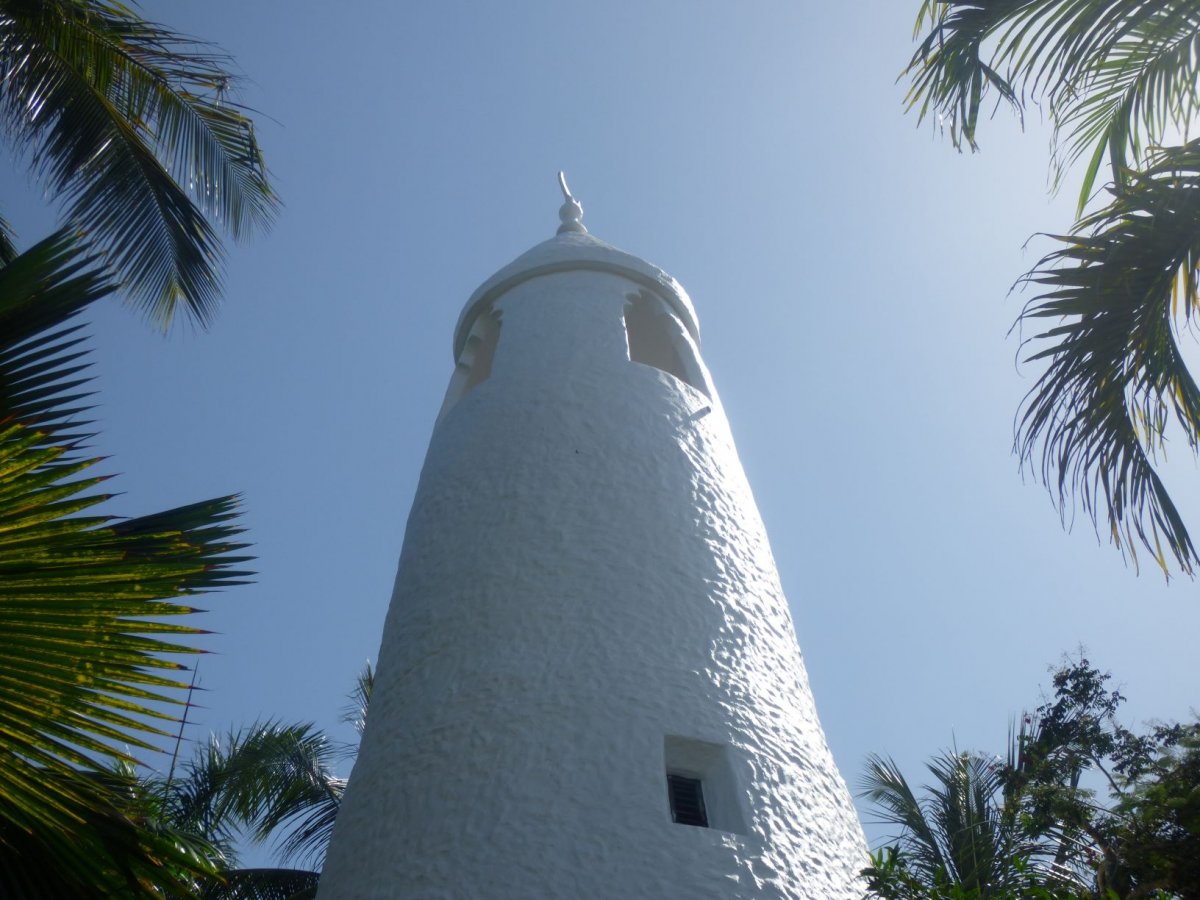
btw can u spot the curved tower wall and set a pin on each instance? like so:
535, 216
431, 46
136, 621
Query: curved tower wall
586, 601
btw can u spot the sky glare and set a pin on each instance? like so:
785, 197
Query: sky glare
850, 271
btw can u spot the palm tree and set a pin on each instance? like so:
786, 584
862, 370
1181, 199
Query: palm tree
1119, 80
284, 781
88, 645
963, 839
116, 114
262, 782
236, 785
132, 126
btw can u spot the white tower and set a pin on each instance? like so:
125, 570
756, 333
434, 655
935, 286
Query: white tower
589, 686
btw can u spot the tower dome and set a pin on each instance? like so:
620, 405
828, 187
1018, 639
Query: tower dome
589, 683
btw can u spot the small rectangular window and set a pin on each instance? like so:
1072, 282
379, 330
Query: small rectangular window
702, 784
687, 800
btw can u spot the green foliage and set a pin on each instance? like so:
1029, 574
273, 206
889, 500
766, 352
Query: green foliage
264, 884
1116, 377
355, 712
132, 126
1145, 841
963, 838
86, 603
1114, 75
890, 877
280, 779
1035, 826
262, 782
1117, 80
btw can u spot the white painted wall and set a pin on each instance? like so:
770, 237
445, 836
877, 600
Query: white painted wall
585, 575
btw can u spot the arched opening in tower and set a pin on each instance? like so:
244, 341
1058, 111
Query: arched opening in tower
656, 338
475, 362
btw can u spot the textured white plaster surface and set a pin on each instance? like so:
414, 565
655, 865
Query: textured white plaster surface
584, 574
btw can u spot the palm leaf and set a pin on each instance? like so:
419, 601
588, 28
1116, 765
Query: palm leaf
950, 78
1114, 75
1145, 85
963, 803
86, 609
106, 849
41, 291
1095, 421
284, 780
130, 123
885, 786
263, 884
82, 671
962, 837
8, 246
355, 712
264, 779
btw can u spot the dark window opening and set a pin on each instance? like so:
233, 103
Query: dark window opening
702, 784
687, 800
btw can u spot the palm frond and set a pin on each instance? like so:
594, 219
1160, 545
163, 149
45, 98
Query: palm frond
313, 829
962, 838
1115, 377
306, 796
263, 884
950, 77
86, 609
355, 712
1113, 75
963, 803
8, 242
885, 786
103, 846
196, 799
81, 656
1147, 84
131, 124
1015, 47
41, 370
269, 777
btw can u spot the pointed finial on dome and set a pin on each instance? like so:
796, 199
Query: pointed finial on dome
570, 214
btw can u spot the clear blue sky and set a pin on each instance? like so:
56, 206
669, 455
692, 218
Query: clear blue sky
850, 272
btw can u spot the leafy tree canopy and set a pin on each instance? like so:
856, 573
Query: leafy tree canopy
1083, 807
